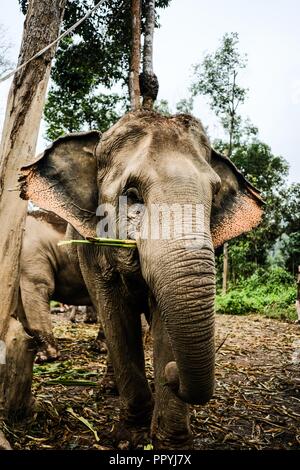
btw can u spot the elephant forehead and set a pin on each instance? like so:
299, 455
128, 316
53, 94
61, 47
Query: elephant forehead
153, 160
177, 132
177, 170
129, 160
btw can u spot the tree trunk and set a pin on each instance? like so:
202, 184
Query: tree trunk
225, 268
148, 41
298, 297
23, 115
149, 82
134, 85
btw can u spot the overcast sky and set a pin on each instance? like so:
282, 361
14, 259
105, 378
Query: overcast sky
269, 33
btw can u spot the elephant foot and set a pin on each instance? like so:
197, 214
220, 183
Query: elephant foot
133, 431
128, 437
162, 441
171, 432
47, 353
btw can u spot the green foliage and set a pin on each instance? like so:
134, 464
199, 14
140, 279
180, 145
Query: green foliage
163, 107
242, 260
281, 221
72, 112
271, 292
268, 173
260, 166
290, 251
185, 105
216, 78
290, 206
290, 240
286, 250
96, 56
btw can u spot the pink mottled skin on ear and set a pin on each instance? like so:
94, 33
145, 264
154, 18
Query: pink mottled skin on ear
43, 195
244, 215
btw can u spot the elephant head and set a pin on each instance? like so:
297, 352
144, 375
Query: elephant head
153, 160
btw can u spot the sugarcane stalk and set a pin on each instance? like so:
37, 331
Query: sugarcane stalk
112, 242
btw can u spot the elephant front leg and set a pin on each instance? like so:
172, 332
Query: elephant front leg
122, 328
170, 427
35, 301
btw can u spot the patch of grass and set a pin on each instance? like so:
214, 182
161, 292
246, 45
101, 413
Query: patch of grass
269, 292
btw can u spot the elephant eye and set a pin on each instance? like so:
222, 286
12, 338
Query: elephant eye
133, 196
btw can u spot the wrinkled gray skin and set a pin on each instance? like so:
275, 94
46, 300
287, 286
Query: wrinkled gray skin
151, 159
48, 272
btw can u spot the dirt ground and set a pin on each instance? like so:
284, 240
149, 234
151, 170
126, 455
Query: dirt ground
256, 404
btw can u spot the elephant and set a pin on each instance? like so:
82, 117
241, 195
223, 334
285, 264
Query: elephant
151, 160
90, 314
48, 272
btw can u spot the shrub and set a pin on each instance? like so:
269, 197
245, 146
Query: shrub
270, 292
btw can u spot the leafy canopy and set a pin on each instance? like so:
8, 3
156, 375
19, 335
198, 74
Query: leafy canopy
217, 78
88, 64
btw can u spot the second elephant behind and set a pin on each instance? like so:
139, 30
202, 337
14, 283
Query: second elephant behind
48, 272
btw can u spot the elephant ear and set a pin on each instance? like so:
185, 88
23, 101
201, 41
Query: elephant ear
64, 180
238, 206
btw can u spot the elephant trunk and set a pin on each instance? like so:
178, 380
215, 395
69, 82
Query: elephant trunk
183, 283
